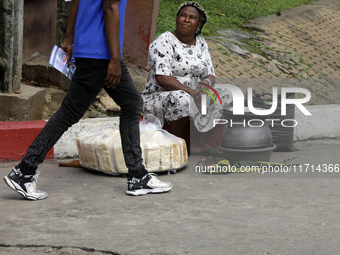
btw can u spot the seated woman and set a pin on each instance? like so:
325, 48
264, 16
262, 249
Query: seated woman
180, 62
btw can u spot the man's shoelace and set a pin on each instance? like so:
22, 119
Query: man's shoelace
35, 180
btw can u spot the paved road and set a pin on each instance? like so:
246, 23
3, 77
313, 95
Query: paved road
250, 213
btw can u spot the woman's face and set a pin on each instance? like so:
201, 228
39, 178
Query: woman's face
188, 20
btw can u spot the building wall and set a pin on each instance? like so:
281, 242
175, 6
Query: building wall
42, 31
140, 29
40, 24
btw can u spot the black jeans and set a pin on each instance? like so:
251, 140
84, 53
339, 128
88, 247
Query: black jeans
87, 82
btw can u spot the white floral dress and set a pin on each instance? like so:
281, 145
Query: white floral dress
189, 64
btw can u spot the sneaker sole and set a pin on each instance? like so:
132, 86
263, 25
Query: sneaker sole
140, 192
18, 189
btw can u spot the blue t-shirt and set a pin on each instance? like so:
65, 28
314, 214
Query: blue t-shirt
89, 37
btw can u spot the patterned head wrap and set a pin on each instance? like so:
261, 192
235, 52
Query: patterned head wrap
201, 11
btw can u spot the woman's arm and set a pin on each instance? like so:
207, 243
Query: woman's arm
170, 83
209, 75
209, 80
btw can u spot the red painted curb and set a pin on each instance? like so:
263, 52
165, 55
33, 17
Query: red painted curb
16, 137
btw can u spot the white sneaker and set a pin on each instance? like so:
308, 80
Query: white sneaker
149, 183
25, 185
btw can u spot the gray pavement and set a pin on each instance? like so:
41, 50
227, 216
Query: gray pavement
88, 212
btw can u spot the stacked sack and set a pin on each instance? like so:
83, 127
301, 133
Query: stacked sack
102, 151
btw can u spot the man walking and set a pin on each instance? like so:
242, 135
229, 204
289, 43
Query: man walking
94, 37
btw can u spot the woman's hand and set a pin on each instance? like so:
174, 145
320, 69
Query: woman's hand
197, 95
204, 84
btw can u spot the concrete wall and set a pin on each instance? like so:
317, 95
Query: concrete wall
11, 26
140, 29
323, 123
45, 20
28, 105
40, 26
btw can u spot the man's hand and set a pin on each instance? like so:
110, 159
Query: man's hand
69, 51
114, 73
111, 20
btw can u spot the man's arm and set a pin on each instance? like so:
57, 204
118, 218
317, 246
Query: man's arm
71, 23
111, 19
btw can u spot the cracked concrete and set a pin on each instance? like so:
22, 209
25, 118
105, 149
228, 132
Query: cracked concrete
39, 250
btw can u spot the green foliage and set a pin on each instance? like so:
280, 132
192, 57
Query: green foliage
225, 14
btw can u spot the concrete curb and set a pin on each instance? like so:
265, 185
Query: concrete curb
15, 137
323, 123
